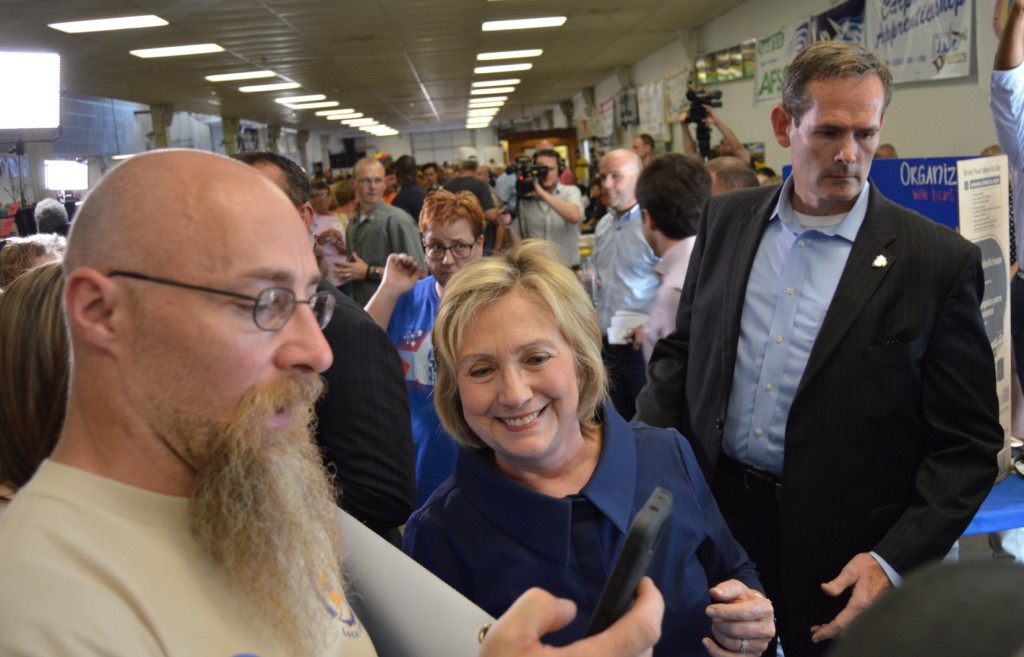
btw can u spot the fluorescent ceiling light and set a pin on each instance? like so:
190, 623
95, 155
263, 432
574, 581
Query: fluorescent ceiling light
355, 123
317, 105
492, 90
335, 111
123, 157
483, 112
492, 103
105, 24
476, 126
284, 100
175, 51
502, 68
487, 99
346, 117
523, 23
496, 83
245, 75
36, 77
509, 54
277, 86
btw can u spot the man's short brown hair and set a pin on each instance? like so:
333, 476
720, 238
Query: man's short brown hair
830, 60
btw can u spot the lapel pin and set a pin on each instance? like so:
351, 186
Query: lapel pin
879, 262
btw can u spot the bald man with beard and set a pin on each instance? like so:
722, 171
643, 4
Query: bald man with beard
185, 510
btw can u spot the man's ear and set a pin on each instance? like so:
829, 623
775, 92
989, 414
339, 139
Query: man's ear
94, 306
647, 220
781, 121
306, 212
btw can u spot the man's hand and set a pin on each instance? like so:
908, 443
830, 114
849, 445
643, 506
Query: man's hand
684, 116
635, 335
353, 269
868, 581
710, 118
400, 273
740, 615
517, 633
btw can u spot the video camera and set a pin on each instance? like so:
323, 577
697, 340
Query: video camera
527, 172
698, 112
699, 102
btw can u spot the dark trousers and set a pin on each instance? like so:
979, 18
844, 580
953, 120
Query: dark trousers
1017, 324
753, 518
626, 376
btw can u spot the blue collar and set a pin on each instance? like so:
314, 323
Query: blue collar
544, 523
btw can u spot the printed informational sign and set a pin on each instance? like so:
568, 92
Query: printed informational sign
607, 114
774, 53
985, 220
920, 39
926, 185
652, 109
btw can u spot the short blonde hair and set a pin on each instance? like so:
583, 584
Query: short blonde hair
536, 269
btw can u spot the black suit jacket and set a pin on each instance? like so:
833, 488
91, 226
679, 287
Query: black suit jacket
891, 438
363, 425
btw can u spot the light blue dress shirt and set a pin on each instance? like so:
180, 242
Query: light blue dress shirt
625, 266
792, 282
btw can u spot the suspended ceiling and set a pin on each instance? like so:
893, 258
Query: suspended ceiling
406, 63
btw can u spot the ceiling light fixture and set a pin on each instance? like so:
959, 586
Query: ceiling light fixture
346, 117
523, 23
355, 123
502, 68
317, 105
508, 54
490, 103
496, 83
308, 98
107, 24
177, 51
491, 91
277, 86
335, 111
245, 75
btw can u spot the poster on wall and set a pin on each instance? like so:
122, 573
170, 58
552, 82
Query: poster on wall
844, 22
607, 114
774, 53
651, 100
675, 94
985, 220
920, 39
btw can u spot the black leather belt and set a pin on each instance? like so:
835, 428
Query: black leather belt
755, 480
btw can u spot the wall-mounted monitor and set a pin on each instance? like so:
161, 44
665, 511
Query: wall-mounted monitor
32, 84
65, 175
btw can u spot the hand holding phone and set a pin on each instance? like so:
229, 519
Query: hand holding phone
641, 540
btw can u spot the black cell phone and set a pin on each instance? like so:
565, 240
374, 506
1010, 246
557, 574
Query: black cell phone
644, 533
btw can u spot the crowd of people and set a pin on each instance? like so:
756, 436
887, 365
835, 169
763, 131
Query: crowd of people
803, 366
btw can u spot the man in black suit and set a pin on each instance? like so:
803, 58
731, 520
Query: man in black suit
363, 425
830, 364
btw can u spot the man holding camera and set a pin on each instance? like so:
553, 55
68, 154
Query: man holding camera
552, 211
730, 144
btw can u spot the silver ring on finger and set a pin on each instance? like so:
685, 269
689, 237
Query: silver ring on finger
744, 646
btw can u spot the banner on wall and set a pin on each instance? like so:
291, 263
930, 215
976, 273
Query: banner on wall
844, 22
652, 109
920, 39
774, 53
607, 113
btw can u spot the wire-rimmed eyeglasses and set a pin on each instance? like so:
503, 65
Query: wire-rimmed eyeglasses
272, 307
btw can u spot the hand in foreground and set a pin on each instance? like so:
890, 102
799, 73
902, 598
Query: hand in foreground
353, 269
401, 272
517, 633
742, 620
635, 336
868, 581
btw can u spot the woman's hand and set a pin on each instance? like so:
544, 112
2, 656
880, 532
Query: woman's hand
742, 620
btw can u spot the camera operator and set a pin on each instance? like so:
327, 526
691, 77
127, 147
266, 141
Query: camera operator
730, 144
552, 211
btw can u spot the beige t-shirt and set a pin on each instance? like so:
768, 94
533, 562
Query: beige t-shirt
91, 566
